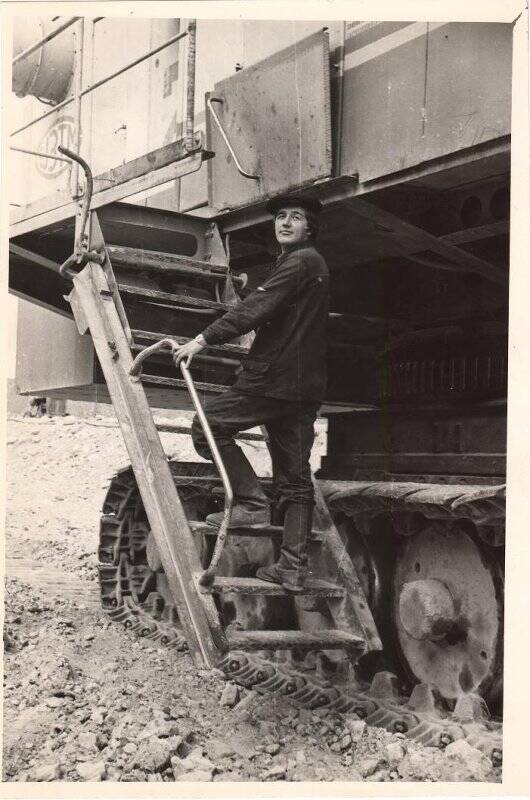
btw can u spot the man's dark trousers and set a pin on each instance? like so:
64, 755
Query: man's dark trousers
290, 429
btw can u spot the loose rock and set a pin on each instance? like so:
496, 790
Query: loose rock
230, 695
368, 765
91, 770
394, 753
87, 740
154, 754
275, 773
356, 728
421, 765
47, 772
461, 762
218, 748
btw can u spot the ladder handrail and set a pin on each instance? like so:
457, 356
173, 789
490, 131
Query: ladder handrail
226, 140
208, 576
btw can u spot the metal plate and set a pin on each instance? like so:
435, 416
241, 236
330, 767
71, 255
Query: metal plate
422, 92
276, 115
468, 87
469, 658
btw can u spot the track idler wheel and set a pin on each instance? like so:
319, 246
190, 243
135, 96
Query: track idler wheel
448, 611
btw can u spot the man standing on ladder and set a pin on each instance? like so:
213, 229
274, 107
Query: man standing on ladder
281, 386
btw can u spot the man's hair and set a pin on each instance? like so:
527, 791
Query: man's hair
313, 222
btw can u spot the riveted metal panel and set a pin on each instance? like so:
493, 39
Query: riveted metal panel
383, 97
276, 115
50, 352
423, 91
468, 87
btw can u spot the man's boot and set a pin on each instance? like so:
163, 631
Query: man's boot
291, 568
251, 508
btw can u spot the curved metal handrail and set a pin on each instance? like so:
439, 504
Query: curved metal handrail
208, 576
80, 256
239, 168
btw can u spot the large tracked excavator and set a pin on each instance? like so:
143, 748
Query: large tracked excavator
402, 620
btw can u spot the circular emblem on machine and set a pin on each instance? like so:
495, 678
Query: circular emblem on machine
60, 132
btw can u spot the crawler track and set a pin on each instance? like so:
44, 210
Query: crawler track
132, 594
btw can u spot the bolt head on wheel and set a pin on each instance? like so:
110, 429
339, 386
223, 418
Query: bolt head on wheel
426, 609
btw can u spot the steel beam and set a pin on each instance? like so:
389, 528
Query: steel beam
454, 256
129, 179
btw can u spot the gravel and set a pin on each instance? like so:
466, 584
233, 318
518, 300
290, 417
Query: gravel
86, 700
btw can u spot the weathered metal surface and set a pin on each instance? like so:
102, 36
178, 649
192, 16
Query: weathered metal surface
145, 260
227, 349
467, 658
460, 69
284, 136
50, 352
72, 364
44, 71
330, 561
482, 504
168, 297
419, 439
282, 640
414, 238
312, 588
411, 94
426, 609
57, 208
379, 126
202, 386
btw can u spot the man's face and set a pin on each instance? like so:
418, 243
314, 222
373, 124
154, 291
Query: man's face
291, 226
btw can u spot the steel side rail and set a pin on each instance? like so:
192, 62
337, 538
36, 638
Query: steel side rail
55, 209
94, 309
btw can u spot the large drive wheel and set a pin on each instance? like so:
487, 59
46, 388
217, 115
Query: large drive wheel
448, 611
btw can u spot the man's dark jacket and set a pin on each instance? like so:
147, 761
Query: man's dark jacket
289, 312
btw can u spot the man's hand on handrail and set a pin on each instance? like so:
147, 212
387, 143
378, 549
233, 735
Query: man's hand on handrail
188, 350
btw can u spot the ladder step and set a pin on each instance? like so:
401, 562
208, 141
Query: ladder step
254, 586
134, 258
152, 336
176, 383
284, 640
170, 427
220, 361
174, 299
269, 530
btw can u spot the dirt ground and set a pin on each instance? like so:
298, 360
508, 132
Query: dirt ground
84, 699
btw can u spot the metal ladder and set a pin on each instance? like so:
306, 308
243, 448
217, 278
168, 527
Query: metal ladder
97, 302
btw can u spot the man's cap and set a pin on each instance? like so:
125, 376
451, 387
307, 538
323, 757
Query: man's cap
308, 202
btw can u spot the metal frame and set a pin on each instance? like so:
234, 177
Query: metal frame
154, 177
40, 155
79, 93
49, 36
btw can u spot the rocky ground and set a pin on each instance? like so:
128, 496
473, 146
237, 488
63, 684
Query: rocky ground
86, 700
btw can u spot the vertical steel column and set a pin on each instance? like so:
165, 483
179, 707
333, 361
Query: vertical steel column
190, 85
340, 103
77, 89
77, 191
